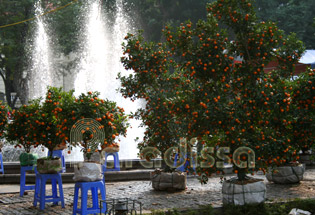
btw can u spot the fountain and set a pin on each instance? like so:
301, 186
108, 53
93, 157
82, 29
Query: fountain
41, 72
100, 64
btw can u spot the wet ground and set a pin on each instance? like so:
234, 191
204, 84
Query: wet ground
194, 196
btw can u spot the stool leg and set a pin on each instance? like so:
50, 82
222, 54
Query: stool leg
42, 193
54, 190
61, 193
1, 164
37, 188
84, 200
22, 182
116, 161
103, 194
75, 199
94, 197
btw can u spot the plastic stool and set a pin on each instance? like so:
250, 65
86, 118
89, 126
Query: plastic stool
116, 162
23, 187
59, 154
182, 167
1, 164
94, 186
40, 190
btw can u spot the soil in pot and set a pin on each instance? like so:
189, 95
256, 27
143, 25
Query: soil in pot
49, 165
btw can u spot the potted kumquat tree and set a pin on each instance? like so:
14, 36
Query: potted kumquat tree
49, 130
203, 83
19, 131
95, 125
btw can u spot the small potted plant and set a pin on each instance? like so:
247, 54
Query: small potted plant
96, 118
20, 129
49, 130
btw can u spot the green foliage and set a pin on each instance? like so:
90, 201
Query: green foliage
3, 118
13, 40
49, 124
291, 16
304, 114
154, 14
111, 118
194, 88
49, 117
19, 131
27, 159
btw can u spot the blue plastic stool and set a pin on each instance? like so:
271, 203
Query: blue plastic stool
94, 186
23, 187
40, 190
59, 154
182, 167
116, 162
1, 164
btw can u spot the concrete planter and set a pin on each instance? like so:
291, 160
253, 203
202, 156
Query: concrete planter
168, 181
49, 166
236, 193
286, 174
88, 171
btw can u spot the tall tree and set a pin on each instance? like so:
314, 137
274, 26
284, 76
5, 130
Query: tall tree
13, 42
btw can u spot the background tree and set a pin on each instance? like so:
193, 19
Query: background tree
152, 15
291, 16
13, 41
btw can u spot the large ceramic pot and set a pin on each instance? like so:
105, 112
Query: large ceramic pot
168, 180
246, 192
28, 159
88, 171
49, 165
286, 174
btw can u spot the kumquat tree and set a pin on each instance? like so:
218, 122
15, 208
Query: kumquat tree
112, 120
304, 99
3, 118
49, 117
208, 80
19, 131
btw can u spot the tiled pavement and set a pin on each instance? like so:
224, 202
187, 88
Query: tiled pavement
195, 195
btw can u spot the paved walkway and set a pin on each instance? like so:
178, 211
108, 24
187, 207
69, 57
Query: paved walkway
195, 195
